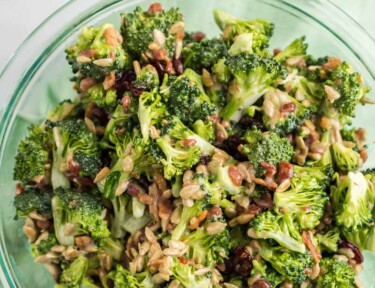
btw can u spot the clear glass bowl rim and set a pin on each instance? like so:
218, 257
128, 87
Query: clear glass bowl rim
14, 78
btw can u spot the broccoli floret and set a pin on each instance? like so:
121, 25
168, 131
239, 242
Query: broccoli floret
289, 264
221, 175
296, 48
266, 147
122, 277
253, 77
349, 86
206, 130
81, 213
222, 72
177, 130
150, 110
32, 156
363, 238
283, 113
74, 145
207, 249
186, 215
33, 199
267, 272
112, 247
106, 99
329, 240
44, 246
147, 79
269, 225
231, 26
335, 273
98, 52
141, 28
75, 274
306, 198
187, 99
344, 158
203, 54
185, 275
352, 201
62, 111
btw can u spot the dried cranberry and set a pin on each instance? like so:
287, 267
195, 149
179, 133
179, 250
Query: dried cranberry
248, 122
265, 201
239, 262
205, 159
231, 146
285, 171
177, 65
288, 107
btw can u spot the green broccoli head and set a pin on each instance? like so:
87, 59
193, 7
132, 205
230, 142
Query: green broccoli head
44, 246
352, 201
282, 229
206, 129
231, 26
363, 238
122, 277
207, 249
266, 147
306, 198
33, 199
283, 113
349, 86
253, 77
112, 247
98, 52
76, 274
267, 272
106, 99
141, 28
82, 213
291, 265
296, 48
335, 273
76, 147
63, 110
150, 111
32, 156
329, 240
147, 79
187, 99
344, 158
203, 54
185, 275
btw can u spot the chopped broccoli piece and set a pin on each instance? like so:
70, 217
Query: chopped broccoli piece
203, 54
44, 246
335, 273
267, 272
32, 156
147, 79
352, 201
364, 237
185, 275
62, 111
112, 247
231, 26
33, 199
187, 100
306, 198
296, 48
79, 212
98, 52
206, 130
222, 72
75, 274
138, 30
269, 225
344, 158
266, 147
283, 113
106, 99
329, 240
122, 277
253, 77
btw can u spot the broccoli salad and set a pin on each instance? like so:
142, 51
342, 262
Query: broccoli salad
187, 161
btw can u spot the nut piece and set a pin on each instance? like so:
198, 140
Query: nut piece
105, 62
30, 230
215, 228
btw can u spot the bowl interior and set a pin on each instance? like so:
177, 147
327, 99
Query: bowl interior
49, 84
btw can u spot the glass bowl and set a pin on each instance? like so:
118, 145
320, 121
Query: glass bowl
37, 78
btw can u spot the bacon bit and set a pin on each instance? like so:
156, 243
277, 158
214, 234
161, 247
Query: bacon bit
133, 190
197, 221
363, 154
325, 122
269, 175
265, 201
183, 260
188, 142
110, 36
315, 253
235, 175
19, 189
285, 171
331, 64
160, 182
288, 107
87, 83
360, 135
160, 54
155, 193
276, 51
198, 36
126, 101
155, 8
74, 168
169, 67
90, 53
165, 208
88, 111
145, 199
254, 209
109, 81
